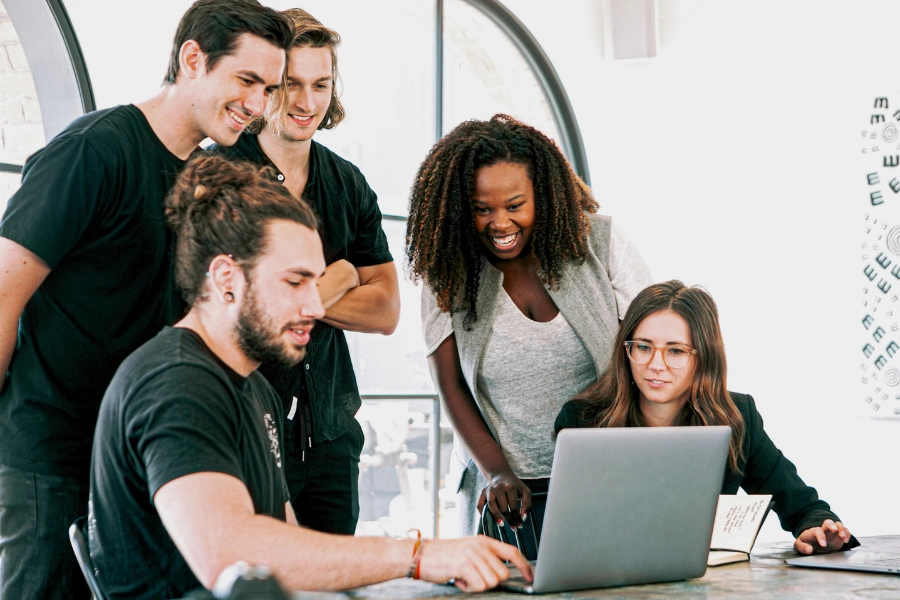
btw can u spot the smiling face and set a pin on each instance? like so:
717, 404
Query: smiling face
504, 209
281, 301
309, 87
236, 89
663, 391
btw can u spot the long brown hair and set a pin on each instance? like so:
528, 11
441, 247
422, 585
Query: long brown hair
442, 248
613, 400
308, 33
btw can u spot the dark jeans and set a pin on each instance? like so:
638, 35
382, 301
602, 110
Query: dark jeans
324, 484
36, 558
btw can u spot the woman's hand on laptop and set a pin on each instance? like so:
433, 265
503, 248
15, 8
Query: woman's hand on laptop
507, 498
829, 537
475, 563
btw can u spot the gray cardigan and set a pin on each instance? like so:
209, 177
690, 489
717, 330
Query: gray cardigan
585, 298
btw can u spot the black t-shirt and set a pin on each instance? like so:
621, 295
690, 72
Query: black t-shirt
173, 409
350, 228
91, 207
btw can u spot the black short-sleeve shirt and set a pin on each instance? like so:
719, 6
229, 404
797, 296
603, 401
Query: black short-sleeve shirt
173, 409
350, 228
91, 207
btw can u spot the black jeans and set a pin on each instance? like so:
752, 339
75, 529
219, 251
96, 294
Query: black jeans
36, 558
323, 481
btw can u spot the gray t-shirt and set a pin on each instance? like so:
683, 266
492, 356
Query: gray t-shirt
529, 370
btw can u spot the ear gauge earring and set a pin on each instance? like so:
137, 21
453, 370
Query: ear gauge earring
229, 297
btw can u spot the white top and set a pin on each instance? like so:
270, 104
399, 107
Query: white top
528, 371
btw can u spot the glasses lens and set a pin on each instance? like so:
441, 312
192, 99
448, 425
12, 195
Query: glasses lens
677, 357
640, 352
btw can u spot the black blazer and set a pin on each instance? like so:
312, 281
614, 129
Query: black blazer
765, 470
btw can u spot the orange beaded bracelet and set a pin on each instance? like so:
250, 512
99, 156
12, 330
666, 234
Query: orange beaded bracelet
417, 555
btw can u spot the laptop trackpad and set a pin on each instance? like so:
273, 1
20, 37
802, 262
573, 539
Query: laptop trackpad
516, 581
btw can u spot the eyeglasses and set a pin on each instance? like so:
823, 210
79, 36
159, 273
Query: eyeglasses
642, 353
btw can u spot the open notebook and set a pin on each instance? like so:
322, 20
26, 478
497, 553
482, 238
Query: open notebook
738, 520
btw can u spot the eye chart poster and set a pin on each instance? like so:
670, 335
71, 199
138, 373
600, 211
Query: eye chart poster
879, 319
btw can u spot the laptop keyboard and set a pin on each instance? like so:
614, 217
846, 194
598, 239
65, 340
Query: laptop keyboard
516, 575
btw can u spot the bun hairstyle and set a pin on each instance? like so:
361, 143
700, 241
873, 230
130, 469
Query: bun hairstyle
218, 206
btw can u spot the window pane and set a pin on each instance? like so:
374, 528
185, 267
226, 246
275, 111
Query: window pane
395, 478
9, 183
21, 128
386, 62
396, 362
485, 74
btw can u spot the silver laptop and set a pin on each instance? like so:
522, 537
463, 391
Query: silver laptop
628, 505
852, 560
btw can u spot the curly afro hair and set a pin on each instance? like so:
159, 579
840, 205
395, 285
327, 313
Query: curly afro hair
442, 248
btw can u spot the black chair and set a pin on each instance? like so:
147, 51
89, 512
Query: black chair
78, 537
528, 539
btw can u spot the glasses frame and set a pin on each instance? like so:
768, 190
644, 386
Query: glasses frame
661, 350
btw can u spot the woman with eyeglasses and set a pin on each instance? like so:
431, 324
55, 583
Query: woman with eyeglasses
524, 288
668, 369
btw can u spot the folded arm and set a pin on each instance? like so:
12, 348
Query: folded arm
210, 518
366, 300
21, 274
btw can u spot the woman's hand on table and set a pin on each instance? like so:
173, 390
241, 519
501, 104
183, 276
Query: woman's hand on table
829, 537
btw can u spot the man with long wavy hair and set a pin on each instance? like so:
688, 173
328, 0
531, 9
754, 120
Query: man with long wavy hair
359, 290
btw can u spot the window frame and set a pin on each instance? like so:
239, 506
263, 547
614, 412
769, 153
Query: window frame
537, 59
62, 81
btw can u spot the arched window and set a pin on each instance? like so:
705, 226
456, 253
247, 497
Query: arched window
36, 103
411, 71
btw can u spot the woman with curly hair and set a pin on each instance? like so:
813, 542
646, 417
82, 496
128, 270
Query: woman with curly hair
525, 286
668, 369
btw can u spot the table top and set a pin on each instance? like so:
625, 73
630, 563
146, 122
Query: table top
764, 576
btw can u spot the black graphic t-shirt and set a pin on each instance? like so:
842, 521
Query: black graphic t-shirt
173, 409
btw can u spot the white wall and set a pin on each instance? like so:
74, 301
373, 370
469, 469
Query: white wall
732, 159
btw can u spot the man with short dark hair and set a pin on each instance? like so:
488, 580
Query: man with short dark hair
186, 473
360, 291
85, 273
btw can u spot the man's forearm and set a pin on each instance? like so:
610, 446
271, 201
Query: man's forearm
21, 273
371, 307
303, 559
366, 309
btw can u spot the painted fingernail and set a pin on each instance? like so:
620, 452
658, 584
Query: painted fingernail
524, 517
500, 522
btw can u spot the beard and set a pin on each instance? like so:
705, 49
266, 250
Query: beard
260, 337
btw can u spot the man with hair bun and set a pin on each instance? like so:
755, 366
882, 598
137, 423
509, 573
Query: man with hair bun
359, 291
187, 466
85, 273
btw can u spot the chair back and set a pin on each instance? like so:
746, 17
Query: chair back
528, 538
78, 537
